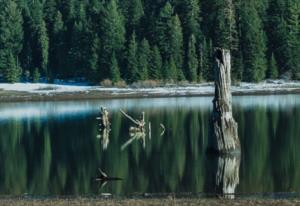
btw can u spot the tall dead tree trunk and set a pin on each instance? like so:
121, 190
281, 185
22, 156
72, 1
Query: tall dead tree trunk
223, 134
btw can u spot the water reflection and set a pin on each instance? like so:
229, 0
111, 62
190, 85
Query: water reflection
54, 150
224, 175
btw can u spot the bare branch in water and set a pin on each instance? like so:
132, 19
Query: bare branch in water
164, 129
129, 117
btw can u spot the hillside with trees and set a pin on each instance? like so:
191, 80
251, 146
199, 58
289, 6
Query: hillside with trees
136, 40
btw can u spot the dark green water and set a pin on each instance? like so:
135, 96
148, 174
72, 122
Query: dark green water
51, 148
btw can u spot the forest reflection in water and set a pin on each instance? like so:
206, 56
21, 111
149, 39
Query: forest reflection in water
52, 147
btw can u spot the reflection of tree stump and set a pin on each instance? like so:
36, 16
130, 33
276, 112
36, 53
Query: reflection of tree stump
223, 135
105, 118
227, 176
104, 127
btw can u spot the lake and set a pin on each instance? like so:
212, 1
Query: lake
52, 148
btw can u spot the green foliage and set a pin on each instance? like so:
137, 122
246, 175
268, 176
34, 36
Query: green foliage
192, 60
133, 10
13, 71
112, 35
191, 19
155, 64
253, 43
272, 68
177, 42
163, 31
208, 61
76, 38
284, 30
11, 36
39, 38
36, 75
132, 61
144, 59
114, 69
56, 47
171, 70
293, 37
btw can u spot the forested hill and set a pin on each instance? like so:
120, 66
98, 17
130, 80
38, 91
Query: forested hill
147, 39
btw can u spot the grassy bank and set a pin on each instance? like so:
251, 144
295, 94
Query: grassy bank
146, 202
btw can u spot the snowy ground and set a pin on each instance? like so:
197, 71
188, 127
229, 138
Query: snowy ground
269, 86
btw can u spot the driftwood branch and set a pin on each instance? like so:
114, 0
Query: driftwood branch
129, 117
163, 129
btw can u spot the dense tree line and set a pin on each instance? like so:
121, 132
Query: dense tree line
147, 39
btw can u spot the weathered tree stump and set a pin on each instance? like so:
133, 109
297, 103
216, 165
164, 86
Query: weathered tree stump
223, 138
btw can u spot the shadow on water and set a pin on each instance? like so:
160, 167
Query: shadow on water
52, 149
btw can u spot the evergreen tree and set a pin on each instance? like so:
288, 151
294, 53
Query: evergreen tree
155, 64
171, 70
254, 44
93, 58
11, 36
293, 38
79, 43
225, 32
177, 42
208, 71
192, 60
277, 32
77, 38
163, 31
50, 12
57, 52
143, 59
272, 68
39, 38
36, 75
132, 61
191, 18
13, 71
114, 69
112, 35
133, 11
43, 42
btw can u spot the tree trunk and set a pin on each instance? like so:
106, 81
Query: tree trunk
223, 134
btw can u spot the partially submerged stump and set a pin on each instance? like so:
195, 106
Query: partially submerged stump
223, 136
104, 118
137, 132
104, 127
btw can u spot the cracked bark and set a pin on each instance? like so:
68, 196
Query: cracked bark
224, 129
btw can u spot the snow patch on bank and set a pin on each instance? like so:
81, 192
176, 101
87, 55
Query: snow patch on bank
188, 89
42, 87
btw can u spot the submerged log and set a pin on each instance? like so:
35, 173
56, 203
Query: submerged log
224, 130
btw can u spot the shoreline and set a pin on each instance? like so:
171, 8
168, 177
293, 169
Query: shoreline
143, 202
47, 92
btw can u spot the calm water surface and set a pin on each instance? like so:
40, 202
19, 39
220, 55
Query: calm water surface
51, 148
